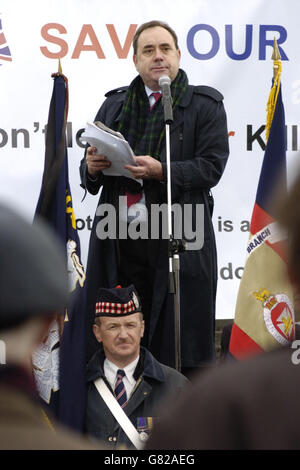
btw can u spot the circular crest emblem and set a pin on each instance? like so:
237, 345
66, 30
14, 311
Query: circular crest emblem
279, 319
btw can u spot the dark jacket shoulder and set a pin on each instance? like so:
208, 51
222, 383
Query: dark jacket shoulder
160, 372
94, 368
115, 91
110, 110
203, 93
208, 91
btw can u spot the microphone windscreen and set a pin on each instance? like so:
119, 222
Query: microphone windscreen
164, 80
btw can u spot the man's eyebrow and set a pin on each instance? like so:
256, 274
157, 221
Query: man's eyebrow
148, 46
119, 324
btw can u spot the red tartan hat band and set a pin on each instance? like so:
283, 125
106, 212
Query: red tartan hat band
117, 302
117, 308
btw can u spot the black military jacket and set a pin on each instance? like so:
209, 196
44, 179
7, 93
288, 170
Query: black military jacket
155, 383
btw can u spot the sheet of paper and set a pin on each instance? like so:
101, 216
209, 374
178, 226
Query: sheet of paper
111, 144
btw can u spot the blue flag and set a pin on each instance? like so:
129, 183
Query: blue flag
59, 364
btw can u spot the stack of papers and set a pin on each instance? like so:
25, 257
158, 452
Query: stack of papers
111, 144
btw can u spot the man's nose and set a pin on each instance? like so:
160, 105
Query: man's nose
123, 332
158, 54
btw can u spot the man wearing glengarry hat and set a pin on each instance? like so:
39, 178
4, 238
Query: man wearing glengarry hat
135, 379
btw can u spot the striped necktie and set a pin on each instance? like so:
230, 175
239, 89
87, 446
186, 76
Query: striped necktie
120, 391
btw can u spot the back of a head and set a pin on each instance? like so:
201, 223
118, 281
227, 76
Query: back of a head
289, 216
33, 277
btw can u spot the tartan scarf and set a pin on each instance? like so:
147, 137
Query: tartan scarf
144, 130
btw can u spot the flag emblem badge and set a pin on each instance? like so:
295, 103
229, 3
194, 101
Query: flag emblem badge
4, 49
76, 272
278, 315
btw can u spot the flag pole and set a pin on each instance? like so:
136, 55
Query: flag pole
59, 67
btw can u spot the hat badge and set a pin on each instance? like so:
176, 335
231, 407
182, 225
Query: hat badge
135, 300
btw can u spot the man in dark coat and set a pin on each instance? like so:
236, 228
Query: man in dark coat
199, 152
133, 376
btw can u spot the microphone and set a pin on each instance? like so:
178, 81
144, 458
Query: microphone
164, 83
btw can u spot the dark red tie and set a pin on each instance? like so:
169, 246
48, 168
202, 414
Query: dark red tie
157, 96
132, 198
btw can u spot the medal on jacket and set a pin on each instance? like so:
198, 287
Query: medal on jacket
144, 427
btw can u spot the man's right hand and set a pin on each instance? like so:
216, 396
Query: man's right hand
96, 162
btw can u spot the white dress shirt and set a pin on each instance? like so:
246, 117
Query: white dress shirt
110, 372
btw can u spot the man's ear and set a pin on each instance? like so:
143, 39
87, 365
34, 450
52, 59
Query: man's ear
143, 328
97, 332
134, 58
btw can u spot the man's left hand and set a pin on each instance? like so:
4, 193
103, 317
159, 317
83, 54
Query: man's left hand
148, 167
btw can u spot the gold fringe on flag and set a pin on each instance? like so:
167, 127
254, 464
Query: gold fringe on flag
275, 88
47, 420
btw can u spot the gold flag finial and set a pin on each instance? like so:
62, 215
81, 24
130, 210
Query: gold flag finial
59, 67
276, 54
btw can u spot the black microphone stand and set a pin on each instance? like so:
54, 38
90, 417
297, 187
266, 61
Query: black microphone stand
174, 246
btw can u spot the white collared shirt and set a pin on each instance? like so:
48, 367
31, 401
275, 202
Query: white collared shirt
110, 372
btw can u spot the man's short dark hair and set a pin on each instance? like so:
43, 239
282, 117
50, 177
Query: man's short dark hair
153, 24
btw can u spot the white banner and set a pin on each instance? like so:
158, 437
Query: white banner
227, 45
